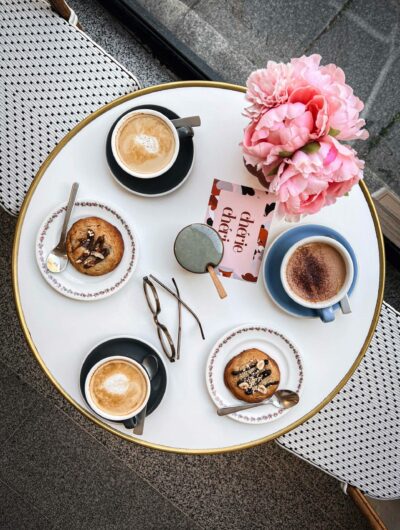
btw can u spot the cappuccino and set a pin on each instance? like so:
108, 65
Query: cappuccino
118, 388
316, 272
145, 144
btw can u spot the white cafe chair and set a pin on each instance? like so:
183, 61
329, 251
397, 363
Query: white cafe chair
52, 76
356, 437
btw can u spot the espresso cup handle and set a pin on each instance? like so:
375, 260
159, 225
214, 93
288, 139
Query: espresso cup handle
130, 423
185, 132
326, 314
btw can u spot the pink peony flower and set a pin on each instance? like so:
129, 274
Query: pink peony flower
329, 81
308, 181
322, 88
279, 132
298, 113
268, 88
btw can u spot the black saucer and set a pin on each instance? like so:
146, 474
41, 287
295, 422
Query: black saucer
165, 183
136, 350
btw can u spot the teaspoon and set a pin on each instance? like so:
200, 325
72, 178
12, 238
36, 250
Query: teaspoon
190, 121
282, 399
150, 364
57, 259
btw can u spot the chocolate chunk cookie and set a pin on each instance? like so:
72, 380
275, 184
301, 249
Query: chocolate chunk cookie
94, 246
252, 376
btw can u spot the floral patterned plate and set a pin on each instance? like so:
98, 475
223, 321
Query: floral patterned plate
72, 283
273, 343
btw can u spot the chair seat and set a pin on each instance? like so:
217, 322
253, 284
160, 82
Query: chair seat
53, 75
356, 437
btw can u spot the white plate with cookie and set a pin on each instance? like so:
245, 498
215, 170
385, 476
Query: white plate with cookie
101, 247
234, 374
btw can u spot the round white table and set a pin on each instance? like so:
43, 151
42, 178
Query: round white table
61, 331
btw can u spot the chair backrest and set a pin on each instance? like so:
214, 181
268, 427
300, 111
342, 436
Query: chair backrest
356, 437
52, 76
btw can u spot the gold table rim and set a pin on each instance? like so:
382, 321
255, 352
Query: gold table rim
82, 410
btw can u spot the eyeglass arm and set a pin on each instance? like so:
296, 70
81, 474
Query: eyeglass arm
178, 346
182, 302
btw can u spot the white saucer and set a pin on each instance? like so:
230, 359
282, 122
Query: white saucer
70, 282
273, 343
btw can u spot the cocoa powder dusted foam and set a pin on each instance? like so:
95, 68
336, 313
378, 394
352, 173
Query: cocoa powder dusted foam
316, 272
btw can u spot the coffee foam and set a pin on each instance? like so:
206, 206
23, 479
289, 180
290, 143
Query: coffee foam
145, 143
316, 272
116, 384
118, 388
149, 143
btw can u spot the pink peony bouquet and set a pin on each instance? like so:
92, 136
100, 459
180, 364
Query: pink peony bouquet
300, 114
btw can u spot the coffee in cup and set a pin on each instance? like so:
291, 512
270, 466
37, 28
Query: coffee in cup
117, 388
145, 143
317, 272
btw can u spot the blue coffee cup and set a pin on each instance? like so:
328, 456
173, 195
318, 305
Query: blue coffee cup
324, 308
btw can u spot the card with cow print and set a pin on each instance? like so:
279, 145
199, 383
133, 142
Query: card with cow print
242, 217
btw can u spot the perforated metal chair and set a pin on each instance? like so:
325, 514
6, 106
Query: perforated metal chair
356, 437
52, 76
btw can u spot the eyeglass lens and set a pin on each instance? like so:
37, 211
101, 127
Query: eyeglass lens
151, 297
166, 342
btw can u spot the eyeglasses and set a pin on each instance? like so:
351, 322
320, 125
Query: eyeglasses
153, 301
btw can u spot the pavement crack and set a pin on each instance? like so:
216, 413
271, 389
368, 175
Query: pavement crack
394, 54
381, 135
328, 25
25, 500
363, 24
195, 4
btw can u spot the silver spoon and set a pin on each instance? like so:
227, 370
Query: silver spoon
57, 260
190, 121
282, 399
150, 364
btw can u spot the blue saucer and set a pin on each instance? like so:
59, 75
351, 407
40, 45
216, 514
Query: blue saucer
276, 253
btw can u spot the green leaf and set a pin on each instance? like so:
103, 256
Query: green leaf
310, 148
273, 171
346, 194
333, 132
285, 154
